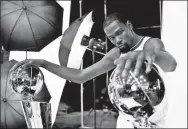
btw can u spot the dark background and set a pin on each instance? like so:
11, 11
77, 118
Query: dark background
141, 13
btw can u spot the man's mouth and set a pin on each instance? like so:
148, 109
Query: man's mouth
121, 46
124, 48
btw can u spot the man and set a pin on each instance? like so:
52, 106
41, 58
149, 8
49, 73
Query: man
120, 33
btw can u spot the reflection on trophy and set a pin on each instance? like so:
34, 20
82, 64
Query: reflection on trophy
28, 82
138, 96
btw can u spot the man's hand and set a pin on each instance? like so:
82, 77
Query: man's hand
26, 63
126, 62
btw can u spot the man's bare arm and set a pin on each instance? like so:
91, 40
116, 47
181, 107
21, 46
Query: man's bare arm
153, 52
81, 76
75, 75
162, 58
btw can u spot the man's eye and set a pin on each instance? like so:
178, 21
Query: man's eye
111, 38
119, 32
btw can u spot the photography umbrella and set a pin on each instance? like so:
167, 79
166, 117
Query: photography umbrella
30, 25
71, 50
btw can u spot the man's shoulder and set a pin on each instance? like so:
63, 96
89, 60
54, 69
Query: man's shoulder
156, 40
151, 39
151, 42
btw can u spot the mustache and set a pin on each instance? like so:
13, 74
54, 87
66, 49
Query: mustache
120, 43
124, 49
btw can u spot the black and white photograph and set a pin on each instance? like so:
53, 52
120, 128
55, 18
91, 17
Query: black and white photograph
77, 64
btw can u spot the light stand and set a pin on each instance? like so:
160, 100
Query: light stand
81, 85
94, 90
106, 47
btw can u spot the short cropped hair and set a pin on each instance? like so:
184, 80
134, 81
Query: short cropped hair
112, 17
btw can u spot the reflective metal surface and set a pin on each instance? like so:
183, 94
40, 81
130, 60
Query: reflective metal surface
137, 96
37, 114
27, 81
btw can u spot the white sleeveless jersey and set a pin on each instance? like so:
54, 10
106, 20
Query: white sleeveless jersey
160, 110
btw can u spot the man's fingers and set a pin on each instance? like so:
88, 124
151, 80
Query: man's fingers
23, 64
150, 61
123, 57
120, 66
118, 71
116, 62
124, 63
26, 65
127, 67
13, 67
149, 67
138, 65
131, 57
127, 55
17, 65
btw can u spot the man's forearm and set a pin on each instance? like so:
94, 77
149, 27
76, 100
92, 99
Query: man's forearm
165, 61
71, 74
162, 58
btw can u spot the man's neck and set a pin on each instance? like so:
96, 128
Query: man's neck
136, 40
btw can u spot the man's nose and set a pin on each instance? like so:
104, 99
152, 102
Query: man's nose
118, 40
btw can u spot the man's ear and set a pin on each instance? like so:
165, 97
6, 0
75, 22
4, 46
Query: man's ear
129, 25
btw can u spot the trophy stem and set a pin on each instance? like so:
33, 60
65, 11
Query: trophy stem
37, 114
28, 98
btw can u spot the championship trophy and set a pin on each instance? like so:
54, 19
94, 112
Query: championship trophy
28, 82
138, 96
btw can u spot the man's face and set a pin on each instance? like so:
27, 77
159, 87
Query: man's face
119, 34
